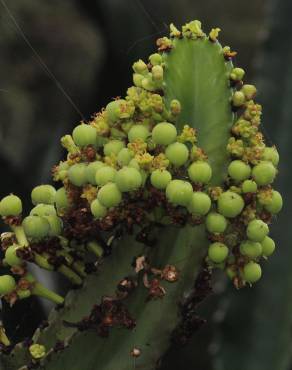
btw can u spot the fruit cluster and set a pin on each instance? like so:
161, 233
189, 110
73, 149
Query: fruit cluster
130, 166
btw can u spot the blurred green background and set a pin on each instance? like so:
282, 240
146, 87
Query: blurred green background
89, 46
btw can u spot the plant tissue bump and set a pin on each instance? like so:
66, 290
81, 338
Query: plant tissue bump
158, 190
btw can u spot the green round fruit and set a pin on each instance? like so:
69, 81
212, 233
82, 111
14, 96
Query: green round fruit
264, 173
97, 209
238, 99
216, 223
175, 107
155, 59
43, 210
11, 256
7, 284
124, 157
252, 272
179, 192
200, 171
268, 246
249, 91
10, 205
84, 135
77, 174
137, 79
157, 73
177, 153
237, 74
113, 147
61, 199
43, 194
250, 249
276, 203
128, 179
109, 195
134, 164
56, 225
271, 154
164, 133
140, 67
257, 230
36, 227
218, 252
91, 170
199, 204
160, 178
104, 175
138, 132
230, 204
239, 170
249, 186
113, 109
148, 83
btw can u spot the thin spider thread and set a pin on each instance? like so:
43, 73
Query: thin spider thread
147, 14
40, 60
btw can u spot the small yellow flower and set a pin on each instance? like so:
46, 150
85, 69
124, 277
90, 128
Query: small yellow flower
89, 193
193, 30
68, 143
265, 195
228, 53
235, 147
215, 192
188, 135
174, 32
213, 35
137, 146
111, 160
100, 123
37, 351
160, 162
144, 160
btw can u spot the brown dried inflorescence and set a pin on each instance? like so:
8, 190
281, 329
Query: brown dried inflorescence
190, 321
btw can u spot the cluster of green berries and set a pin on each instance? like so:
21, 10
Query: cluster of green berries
137, 146
240, 223
44, 223
149, 156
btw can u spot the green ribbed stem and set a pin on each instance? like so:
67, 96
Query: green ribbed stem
196, 74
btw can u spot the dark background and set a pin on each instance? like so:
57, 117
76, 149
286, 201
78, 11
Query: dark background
89, 46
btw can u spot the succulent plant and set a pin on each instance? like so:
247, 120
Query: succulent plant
158, 189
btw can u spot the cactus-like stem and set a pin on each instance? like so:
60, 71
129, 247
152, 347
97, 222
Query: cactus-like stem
158, 188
